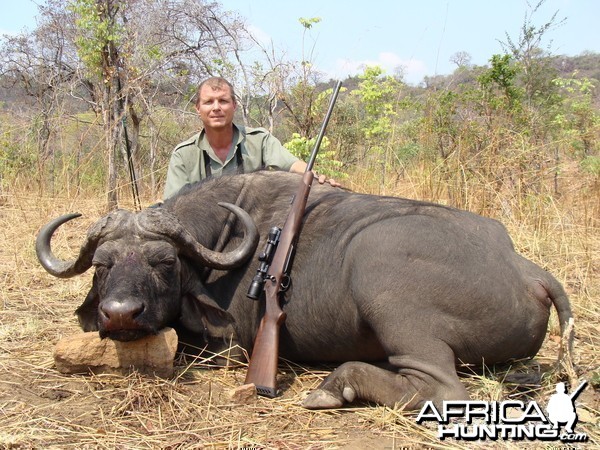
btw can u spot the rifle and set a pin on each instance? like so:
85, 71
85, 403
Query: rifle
573, 395
273, 276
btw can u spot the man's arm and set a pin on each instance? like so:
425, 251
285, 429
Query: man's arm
176, 176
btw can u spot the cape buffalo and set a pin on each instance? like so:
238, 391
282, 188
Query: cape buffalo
415, 285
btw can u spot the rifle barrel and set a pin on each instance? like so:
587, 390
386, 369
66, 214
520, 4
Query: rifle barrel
577, 391
313, 155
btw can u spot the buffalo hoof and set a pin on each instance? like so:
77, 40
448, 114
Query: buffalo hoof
320, 399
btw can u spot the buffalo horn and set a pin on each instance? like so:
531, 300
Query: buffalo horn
67, 269
168, 225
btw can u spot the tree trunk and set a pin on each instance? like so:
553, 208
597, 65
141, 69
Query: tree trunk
111, 140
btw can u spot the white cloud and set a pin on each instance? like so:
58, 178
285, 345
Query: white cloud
412, 70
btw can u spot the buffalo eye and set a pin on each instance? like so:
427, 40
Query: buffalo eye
102, 267
159, 255
103, 259
167, 261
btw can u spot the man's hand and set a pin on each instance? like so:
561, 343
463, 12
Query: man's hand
300, 167
323, 179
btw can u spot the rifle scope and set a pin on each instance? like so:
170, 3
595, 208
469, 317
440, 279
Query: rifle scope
265, 258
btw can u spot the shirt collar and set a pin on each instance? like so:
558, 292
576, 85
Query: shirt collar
238, 138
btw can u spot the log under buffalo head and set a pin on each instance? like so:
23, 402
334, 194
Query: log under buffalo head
137, 284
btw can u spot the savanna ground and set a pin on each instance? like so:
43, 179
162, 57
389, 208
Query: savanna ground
42, 408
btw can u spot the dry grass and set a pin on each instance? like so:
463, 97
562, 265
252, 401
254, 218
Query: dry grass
40, 407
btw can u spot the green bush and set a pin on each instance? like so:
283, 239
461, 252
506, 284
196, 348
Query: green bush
325, 163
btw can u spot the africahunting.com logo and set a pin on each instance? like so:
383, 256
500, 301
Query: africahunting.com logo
508, 420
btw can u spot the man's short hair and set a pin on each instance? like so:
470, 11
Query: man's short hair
216, 83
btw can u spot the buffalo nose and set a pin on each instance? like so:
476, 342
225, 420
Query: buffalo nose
120, 315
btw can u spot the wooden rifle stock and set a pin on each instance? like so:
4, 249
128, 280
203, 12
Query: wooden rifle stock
262, 369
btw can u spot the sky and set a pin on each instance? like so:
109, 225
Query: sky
418, 36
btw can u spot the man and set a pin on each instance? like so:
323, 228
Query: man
223, 147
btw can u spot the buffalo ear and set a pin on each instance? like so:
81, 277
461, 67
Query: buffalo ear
200, 314
87, 313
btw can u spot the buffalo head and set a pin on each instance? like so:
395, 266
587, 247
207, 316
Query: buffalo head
140, 277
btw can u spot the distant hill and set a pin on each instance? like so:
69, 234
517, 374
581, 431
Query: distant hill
585, 65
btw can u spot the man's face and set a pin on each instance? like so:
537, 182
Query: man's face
216, 107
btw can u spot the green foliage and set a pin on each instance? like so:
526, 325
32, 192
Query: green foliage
96, 30
578, 118
441, 121
407, 151
306, 63
325, 162
591, 164
154, 52
16, 158
498, 83
595, 379
377, 94
529, 56
308, 23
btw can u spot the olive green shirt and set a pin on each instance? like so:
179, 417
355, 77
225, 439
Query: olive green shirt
259, 149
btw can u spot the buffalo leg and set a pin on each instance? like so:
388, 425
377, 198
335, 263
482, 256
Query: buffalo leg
414, 382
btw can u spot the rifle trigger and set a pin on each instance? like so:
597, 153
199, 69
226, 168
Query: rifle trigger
286, 282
